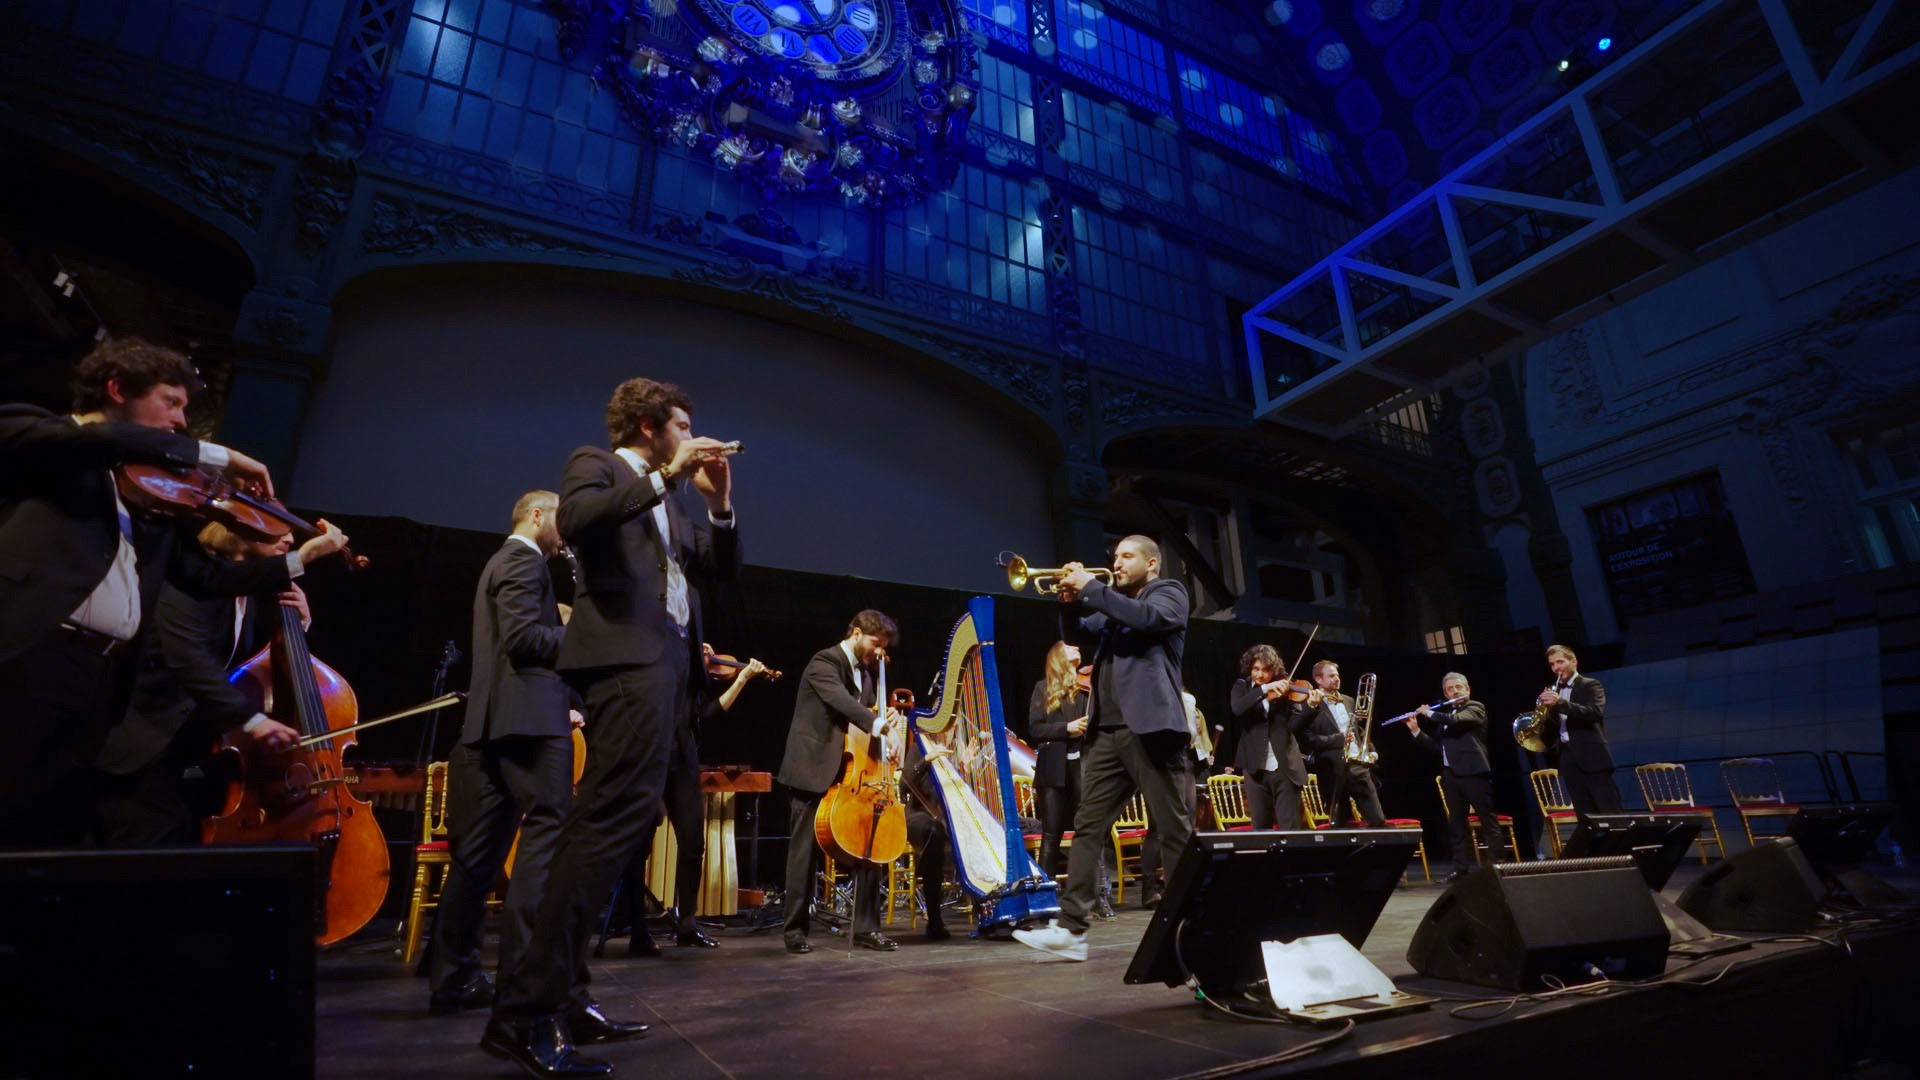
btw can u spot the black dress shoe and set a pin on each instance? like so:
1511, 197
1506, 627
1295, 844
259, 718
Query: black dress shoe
542, 1048
642, 943
475, 993
938, 932
875, 940
590, 1025
797, 943
695, 937
1103, 908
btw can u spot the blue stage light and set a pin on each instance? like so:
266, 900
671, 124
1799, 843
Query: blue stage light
1604, 44
1565, 64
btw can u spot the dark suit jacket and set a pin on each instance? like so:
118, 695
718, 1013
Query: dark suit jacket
190, 649
1585, 709
1463, 735
59, 530
827, 703
620, 617
1258, 725
1048, 730
1319, 734
1142, 639
514, 689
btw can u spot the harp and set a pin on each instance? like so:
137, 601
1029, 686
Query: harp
973, 784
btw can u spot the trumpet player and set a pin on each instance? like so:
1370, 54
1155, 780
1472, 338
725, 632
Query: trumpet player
1577, 705
1327, 716
1458, 730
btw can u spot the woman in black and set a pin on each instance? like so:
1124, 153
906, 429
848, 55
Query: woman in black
1056, 719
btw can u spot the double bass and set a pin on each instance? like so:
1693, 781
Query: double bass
303, 795
861, 818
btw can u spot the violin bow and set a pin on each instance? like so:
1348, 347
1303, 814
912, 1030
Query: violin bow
1303, 652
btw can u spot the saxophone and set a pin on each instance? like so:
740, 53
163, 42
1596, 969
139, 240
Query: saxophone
1361, 748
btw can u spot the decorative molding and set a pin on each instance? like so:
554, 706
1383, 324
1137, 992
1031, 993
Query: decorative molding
1481, 427
1114, 354
1570, 376
1001, 150
1112, 195
744, 275
1131, 406
1024, 380
1496, 485
497, 182
402, 227
985, 317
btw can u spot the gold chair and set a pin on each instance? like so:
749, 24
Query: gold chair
1505, 822
1556, 807
431, 858
1229, 795
1312, 807
1023, 805
1754, 785
901, 880
1129, 834
1409, 824
1668, 790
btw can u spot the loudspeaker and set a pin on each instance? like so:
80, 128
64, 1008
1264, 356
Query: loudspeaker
182, 962
1512, 925
1769, 887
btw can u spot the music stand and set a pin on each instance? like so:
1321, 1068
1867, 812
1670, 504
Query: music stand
1231, 891
1657, 842
1836, 840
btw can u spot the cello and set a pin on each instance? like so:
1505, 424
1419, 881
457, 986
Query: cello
302, 795
861, 818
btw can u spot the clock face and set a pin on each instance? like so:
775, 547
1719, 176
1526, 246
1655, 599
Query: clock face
837, 39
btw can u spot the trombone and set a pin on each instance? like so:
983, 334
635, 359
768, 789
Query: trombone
1045, 581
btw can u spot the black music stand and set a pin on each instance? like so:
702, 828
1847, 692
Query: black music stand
1231, 891
1658, 843
1836, 840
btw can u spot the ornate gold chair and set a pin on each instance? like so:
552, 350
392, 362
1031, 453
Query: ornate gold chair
1229, 795
1556, 808
901, 881
430, 861
1407, 823
1023, 805
1310, 804
1129, 835
1754, 785
1505, 821
1668, 790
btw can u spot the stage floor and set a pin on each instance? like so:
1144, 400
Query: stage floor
968, 1007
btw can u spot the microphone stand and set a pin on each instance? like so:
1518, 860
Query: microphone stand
449, 655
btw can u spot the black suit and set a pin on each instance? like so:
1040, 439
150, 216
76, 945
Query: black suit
1340, 779
182, 705
636, 668
1137, 736
59, 533
1460, 738
828, 703
1581, 752
1262, 728
1056, 768
514, 761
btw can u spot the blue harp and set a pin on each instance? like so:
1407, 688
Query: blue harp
972, 785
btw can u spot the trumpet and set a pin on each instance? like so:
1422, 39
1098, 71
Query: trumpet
1045, 581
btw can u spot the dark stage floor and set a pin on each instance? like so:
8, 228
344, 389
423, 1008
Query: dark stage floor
985, 1008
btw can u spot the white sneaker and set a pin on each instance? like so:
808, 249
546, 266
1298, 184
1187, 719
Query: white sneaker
1056, 940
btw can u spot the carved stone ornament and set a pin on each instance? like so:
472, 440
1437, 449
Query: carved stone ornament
1481, 428
1497, 484
214, 178
1576, 391
1023, 380
1123, 407
402, 227
322, 190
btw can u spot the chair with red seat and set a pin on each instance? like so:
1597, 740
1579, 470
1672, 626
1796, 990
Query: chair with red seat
1668, 790
1129, 835
1556, 807
1505, 821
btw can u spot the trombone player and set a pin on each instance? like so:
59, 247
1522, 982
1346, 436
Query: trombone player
1333, 726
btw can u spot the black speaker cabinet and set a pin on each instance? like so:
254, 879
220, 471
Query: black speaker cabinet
1513, 925
1770, 887
183, 962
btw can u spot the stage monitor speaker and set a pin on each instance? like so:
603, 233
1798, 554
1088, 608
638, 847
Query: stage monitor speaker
1231, 891
1514, 925
1657, 843
1770, 887
181, 962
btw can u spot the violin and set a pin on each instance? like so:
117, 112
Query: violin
1084, 677
208, 496
722, 666
304, 794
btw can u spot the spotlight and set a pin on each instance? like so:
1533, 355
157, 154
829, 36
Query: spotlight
1565, 64
1603, 44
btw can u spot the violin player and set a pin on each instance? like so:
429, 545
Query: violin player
81, 570
1266, 732
632, 650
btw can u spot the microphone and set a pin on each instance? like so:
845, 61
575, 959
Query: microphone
450, 654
